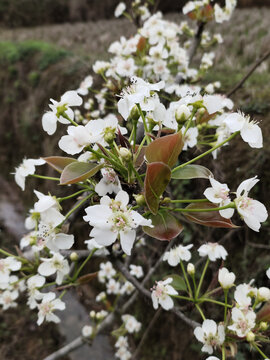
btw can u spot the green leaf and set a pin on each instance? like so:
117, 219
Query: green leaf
78, 171
192, 172
157, 178
209, 218
166, 226
178, 282
59, 162
165, 149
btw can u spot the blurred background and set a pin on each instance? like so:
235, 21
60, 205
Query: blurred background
48, 47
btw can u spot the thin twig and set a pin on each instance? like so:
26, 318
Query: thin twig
145, 334
79, 341
251, 70
196, 41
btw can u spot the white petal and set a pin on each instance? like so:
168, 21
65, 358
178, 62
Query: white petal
127, 239
49, 121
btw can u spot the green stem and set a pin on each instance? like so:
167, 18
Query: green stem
223, 353
189, 121
189, 201
138, 177
62, 294
45, 177
186, 278
139, 149
144, 123
182, 297
74, 278
200, 311
202, 299
231, 205
77, 206
69, 119
259, 351
201, 279
71, 196
206, 152
226, 304
24, 261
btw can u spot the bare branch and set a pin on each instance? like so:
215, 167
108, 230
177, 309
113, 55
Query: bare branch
251, 70
79, 341
196, 41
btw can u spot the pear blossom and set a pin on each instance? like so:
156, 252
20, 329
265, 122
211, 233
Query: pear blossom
214, 103
6, 266
27, 167
242, 321
136, 271
131, 324
121, 342
7, 299
33, 284
190, 137
210, 335
226, 278
59, 110
242, 295
109, 183
85, 85
92, 244
175, 255
106, 271
45, 202
214, 251
161, 294
263, 294
268, 273
252, 211
212, 358
112, 219
123, 353
47, 307
87, 331
113, 287
219, 194
127, 288
56, 264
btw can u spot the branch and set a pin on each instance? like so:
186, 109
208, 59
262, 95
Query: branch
251, 70
79, 341
196, 41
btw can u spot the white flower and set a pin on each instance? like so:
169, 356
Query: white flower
219, 194
106, 271
127, 288
85, 85
173, 256
121, 342
212, 358
121, 7
47, 307
26, 168
7, 299
45, 202
161, 294
263, 294
59, 110
136, 271
210, 335
101, 296
242, 295
56, 264
131, 324
123, 353
214, 103
190, 138
92, 244
111, 219
109, 183
113, 287
214, 251
242, 321
226, 278
87, 331
252, 211
6, 266
33, 284
268, 273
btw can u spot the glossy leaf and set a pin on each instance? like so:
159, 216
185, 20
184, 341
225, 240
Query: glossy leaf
59, 162
78, 171
157, 178
192, 172
209, 218
166, 226
178, 282
165, 149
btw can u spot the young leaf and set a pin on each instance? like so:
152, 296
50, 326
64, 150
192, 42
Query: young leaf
87, 278
78, 171
165, 149
59, 162
178, 282
192, 172
166, 226
157, 178
209, 218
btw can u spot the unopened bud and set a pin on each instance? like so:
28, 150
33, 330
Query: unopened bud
32, 241
263, 294
125, 154
250, 336
182, 113
140, 199
134, 113
201, 111
87, 331
263, 326
191, 269
109, 137
92, 314
74, 256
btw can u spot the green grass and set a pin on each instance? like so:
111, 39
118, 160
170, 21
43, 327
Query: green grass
46, 54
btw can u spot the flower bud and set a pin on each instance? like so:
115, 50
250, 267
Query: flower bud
74, 256
32, 241
226, 278
134, 114
263, 294
87, 331
125, 154
201, 111
182, 113
190, 269
92, 314
109, 137
250, 337
263, 326
140, 199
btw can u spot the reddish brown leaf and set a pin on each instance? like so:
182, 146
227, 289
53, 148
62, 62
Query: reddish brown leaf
87, 278
140, 157
59, 162
209, 218
78, 171
166, 226
141, 44
165, 149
